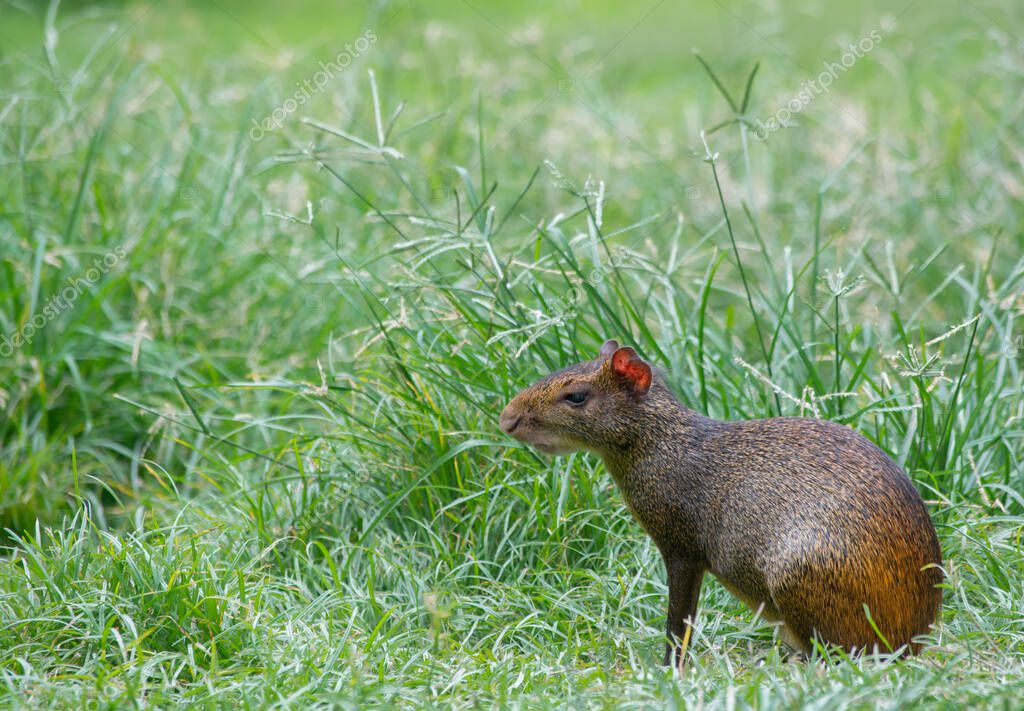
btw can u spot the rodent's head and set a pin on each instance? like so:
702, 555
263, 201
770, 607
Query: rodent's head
591, 405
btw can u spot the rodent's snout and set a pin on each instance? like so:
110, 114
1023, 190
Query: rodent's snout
508, 420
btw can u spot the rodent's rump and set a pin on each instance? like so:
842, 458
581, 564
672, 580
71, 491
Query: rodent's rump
803, 519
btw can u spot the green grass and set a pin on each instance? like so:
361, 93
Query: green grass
256, 463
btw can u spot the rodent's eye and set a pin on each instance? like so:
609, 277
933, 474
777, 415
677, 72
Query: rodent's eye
577, 397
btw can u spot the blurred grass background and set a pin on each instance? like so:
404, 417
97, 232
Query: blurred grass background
257, 463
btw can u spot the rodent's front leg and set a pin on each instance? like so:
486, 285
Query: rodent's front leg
684, 579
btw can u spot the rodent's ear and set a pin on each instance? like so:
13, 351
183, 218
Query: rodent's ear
609, 347
632, 369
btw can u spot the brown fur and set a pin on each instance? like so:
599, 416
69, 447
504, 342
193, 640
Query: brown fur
804, 520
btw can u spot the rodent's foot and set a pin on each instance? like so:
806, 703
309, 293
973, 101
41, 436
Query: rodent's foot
674, 657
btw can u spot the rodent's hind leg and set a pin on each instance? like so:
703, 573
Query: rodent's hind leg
792, 639
787, 632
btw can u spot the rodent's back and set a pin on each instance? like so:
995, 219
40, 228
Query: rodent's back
808, 472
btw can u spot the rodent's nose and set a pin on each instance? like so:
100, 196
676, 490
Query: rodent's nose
508, 421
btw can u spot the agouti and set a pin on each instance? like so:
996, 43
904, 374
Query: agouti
804, 520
